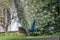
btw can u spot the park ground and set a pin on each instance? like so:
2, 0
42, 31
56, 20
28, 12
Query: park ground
20, 35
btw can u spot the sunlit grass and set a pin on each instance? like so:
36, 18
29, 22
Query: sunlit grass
20, 35
12, 36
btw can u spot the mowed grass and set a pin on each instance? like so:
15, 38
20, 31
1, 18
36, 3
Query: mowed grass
20, 35
11, 36
46, 35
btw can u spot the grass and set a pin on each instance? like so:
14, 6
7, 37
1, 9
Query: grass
11, 36
46, 35
14, 36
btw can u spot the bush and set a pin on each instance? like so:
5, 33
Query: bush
57, 20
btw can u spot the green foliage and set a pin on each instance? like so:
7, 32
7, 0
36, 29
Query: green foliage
58, 22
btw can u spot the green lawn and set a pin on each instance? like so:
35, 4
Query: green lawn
10, 36
45, 35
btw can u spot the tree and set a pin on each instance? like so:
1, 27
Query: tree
6, 20
5, 17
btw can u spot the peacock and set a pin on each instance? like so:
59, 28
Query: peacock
32, 26
22, 30
31, 30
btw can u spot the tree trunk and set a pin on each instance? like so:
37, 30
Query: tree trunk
5, 30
